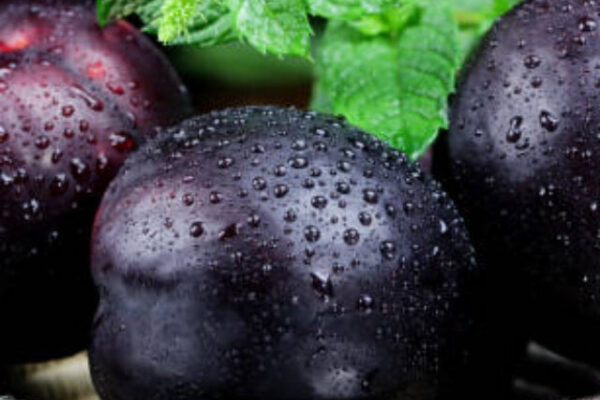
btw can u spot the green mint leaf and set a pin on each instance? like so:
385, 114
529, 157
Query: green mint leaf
390, 21
150, 10
176, 17
279, 27
351, 10
102, 11
109, 10
200, 22
502, 6
393, 87
207, 23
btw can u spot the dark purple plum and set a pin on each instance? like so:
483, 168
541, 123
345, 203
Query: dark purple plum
521, 161
267, 253
75, 100
116, 60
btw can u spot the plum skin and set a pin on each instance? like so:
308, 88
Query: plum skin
272, 253
520, 162
75, 100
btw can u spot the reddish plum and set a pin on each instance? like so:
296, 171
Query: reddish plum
75, 100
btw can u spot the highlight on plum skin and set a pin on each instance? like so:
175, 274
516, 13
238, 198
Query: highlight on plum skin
75, 101
267, 253
19, 41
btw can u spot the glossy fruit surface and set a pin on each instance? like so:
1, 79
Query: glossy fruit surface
277, 254
521, 161
75, 100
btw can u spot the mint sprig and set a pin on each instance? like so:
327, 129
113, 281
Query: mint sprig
393, 86
388, 66
279, 27
350, 10
273, 26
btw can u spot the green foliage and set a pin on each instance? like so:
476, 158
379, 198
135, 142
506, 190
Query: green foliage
393, 86
278, 27
388, 66
238, 65
111, 9
350, 10
176, 16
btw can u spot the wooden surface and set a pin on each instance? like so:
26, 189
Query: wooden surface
67, 379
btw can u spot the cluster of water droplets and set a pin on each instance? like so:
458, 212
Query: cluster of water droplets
292, 220
520, 157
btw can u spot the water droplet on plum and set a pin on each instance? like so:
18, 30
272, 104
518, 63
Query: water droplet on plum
196, 229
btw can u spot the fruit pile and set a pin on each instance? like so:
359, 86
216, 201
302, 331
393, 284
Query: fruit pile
271, 253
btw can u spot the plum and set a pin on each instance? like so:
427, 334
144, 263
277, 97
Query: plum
75, 100
520, 160
269, 253
116, 60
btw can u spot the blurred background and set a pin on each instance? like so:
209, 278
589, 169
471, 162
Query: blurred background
235, 74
